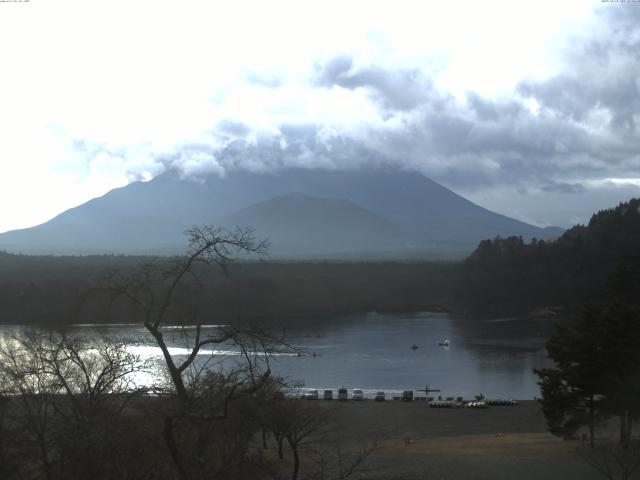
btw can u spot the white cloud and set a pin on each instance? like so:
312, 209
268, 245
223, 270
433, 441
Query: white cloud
94, 94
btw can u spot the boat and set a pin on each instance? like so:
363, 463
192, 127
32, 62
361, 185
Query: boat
444, 343
414, 347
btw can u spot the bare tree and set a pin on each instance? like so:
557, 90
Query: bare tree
302, 423
208, 401
276, 420
8, 453
154, 288
614, 461
23, 377
92, 371
335, 462
66, 397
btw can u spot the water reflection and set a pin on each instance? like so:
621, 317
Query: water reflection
374, 351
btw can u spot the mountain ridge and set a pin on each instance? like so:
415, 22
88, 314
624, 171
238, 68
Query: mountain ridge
149, 217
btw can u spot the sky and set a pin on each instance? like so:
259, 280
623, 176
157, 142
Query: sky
527, 108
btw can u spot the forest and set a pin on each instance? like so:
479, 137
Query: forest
502, 277
507, 276
62, 290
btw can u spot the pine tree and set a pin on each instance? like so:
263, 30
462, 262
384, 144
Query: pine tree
571, 392
597, 364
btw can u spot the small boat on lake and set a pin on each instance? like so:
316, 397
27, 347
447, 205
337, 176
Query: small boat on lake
414, 347
444, 343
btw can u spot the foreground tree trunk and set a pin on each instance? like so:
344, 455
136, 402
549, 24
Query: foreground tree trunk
626, 424
592, 421
280, 449
296, 461
167, 433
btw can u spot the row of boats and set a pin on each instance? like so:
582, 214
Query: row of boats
407, 396
472, 404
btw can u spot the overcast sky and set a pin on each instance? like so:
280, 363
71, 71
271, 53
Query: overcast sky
528, 108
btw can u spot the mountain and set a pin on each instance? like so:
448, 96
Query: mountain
149, 217
298, 224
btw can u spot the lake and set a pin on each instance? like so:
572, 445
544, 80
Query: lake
373, 352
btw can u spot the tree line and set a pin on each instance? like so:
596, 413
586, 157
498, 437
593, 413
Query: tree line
54, 290
508, 276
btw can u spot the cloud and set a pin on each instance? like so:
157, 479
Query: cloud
598, 93
234, 128
333, 71
264, 79
549, 134
564, 188
393, 89
417, 95
491, 111
600, 80
555, 134
293, 146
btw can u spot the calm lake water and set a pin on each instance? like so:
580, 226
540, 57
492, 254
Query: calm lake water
372, 352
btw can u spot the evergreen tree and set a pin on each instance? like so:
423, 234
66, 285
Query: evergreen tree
597, 364
571, 392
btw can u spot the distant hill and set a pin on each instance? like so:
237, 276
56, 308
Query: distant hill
297, 224
385, 213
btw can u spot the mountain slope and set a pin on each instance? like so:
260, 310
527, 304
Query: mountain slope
150, 217
298, 224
